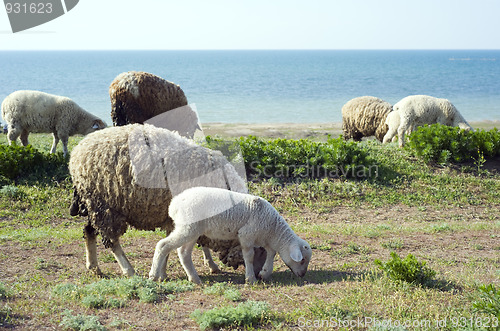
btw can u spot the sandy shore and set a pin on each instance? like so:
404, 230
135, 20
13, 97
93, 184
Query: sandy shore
296, 130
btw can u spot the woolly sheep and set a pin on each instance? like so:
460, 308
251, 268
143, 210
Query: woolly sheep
417, 110
364, 117
126, 176
226, 215
34, 111
138, 96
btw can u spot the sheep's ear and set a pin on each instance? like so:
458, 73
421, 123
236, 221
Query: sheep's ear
95, 125
296, 254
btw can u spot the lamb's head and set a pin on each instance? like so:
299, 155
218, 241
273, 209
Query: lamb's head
298, 257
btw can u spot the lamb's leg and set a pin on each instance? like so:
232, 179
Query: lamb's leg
24, 137
248, 254
401, 133
122, 260
390, 135
54, 143
91, 248
185, 256
267, 269
176, 239
208, 260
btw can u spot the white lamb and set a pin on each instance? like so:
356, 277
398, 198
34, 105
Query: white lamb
417, 110
227, 215
34, 111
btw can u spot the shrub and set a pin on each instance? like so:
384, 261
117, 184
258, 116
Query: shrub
245, 314
489, 302
26, 162
289, 159
409, 269
444, 144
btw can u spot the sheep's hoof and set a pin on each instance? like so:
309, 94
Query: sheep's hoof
251, 281
215, 270
95, 271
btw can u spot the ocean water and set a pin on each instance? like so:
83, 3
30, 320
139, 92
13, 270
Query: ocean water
267, 86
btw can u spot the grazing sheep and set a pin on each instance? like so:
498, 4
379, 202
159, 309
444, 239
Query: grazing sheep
34, 111
126, 176
417, 110
138, 96
226, 215
364, 117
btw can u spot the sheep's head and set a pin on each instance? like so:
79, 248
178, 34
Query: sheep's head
299, 256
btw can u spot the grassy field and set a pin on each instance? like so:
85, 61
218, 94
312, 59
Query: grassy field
447, 217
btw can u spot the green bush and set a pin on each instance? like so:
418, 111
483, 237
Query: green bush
444, 144
289, 159
25, 162
408, 270
245, 314
489, 302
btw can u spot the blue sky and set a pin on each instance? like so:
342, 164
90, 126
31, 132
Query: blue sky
270, 24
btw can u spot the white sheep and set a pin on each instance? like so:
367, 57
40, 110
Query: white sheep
127, 175
417, 110
364, 117
226, 215
138, 96
34, 111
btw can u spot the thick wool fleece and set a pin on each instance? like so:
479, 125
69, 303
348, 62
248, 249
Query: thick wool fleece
364, 117
139, 96
128, 175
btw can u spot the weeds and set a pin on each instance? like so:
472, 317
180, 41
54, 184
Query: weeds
80, 322
223, 289
409, 269
489, 302
114, 293
246, 314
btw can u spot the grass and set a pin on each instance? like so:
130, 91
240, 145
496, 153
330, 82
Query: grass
445, 216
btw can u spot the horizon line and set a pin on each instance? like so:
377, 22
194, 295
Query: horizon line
251, 49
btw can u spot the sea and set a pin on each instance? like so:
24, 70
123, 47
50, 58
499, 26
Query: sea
267, 86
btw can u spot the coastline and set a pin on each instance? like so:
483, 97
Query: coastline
297, 130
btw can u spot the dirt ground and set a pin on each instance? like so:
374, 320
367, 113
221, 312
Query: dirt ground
47, 263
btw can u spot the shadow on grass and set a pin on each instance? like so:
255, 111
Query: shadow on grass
287, 278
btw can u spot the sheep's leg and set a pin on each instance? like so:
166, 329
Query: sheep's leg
64, 141
208, 261
390, 135
185, 256
54, 143
267, 269
91, 248
175, 240
248, 254
401, 133
24, 137
122, 260
163, 268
